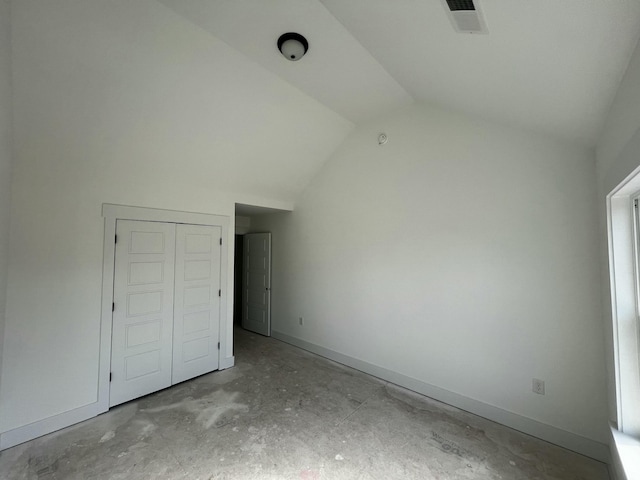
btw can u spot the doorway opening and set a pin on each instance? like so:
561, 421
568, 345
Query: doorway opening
252, 268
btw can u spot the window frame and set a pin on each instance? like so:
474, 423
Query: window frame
623, 222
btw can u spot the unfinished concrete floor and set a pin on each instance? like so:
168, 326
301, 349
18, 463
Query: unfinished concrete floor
282, 413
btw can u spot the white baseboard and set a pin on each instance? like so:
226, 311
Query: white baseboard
227, 362
551, 434
19, 435
48, 425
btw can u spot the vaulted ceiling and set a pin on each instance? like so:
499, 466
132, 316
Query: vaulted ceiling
546, 65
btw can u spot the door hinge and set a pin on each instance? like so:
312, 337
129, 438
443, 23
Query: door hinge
221, 241
218, 345
110, 376
219, 293
115, 239
113, 307
635, 203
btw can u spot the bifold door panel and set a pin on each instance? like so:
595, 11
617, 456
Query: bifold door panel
142, 335
166, 312
197, 301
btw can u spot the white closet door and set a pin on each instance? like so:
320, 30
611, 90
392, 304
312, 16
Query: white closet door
197, 301
143, 309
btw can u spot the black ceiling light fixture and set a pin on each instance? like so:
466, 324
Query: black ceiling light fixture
293, 46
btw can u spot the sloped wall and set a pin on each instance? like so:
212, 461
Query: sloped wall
621, 126
127, 103
618, 156
460, 254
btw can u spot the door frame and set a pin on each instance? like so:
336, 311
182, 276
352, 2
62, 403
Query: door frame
111, 214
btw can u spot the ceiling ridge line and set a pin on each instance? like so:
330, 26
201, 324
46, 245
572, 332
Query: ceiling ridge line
368, 51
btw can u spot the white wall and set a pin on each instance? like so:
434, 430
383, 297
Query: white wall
461, 254
243, 225
126, 103
621, 124
5, 155
617, 156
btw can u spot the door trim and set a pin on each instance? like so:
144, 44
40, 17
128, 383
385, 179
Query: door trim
111, 213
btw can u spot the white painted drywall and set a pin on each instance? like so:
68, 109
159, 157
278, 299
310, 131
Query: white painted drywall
617, 156
462, 254
243, 224
127, 103
5, 155
622, 122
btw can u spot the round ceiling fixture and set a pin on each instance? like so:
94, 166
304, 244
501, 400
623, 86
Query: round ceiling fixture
293, 46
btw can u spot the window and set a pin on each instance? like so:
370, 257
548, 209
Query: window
623, 221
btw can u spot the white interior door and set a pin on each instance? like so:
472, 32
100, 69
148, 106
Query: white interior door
197, 301
256, 281
143, 309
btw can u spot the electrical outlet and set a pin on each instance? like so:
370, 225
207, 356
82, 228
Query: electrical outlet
538, 386
301, 320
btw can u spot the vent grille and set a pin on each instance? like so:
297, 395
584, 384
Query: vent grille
465, 15
458, 5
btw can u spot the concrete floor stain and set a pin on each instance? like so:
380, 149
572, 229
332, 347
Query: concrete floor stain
282, 413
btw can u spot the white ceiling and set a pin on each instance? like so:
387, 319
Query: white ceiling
337, 71
547, 65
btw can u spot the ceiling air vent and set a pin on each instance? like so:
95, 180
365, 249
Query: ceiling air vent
465, 16
455, 5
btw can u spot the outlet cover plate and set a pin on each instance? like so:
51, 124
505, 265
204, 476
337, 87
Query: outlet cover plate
538, 386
